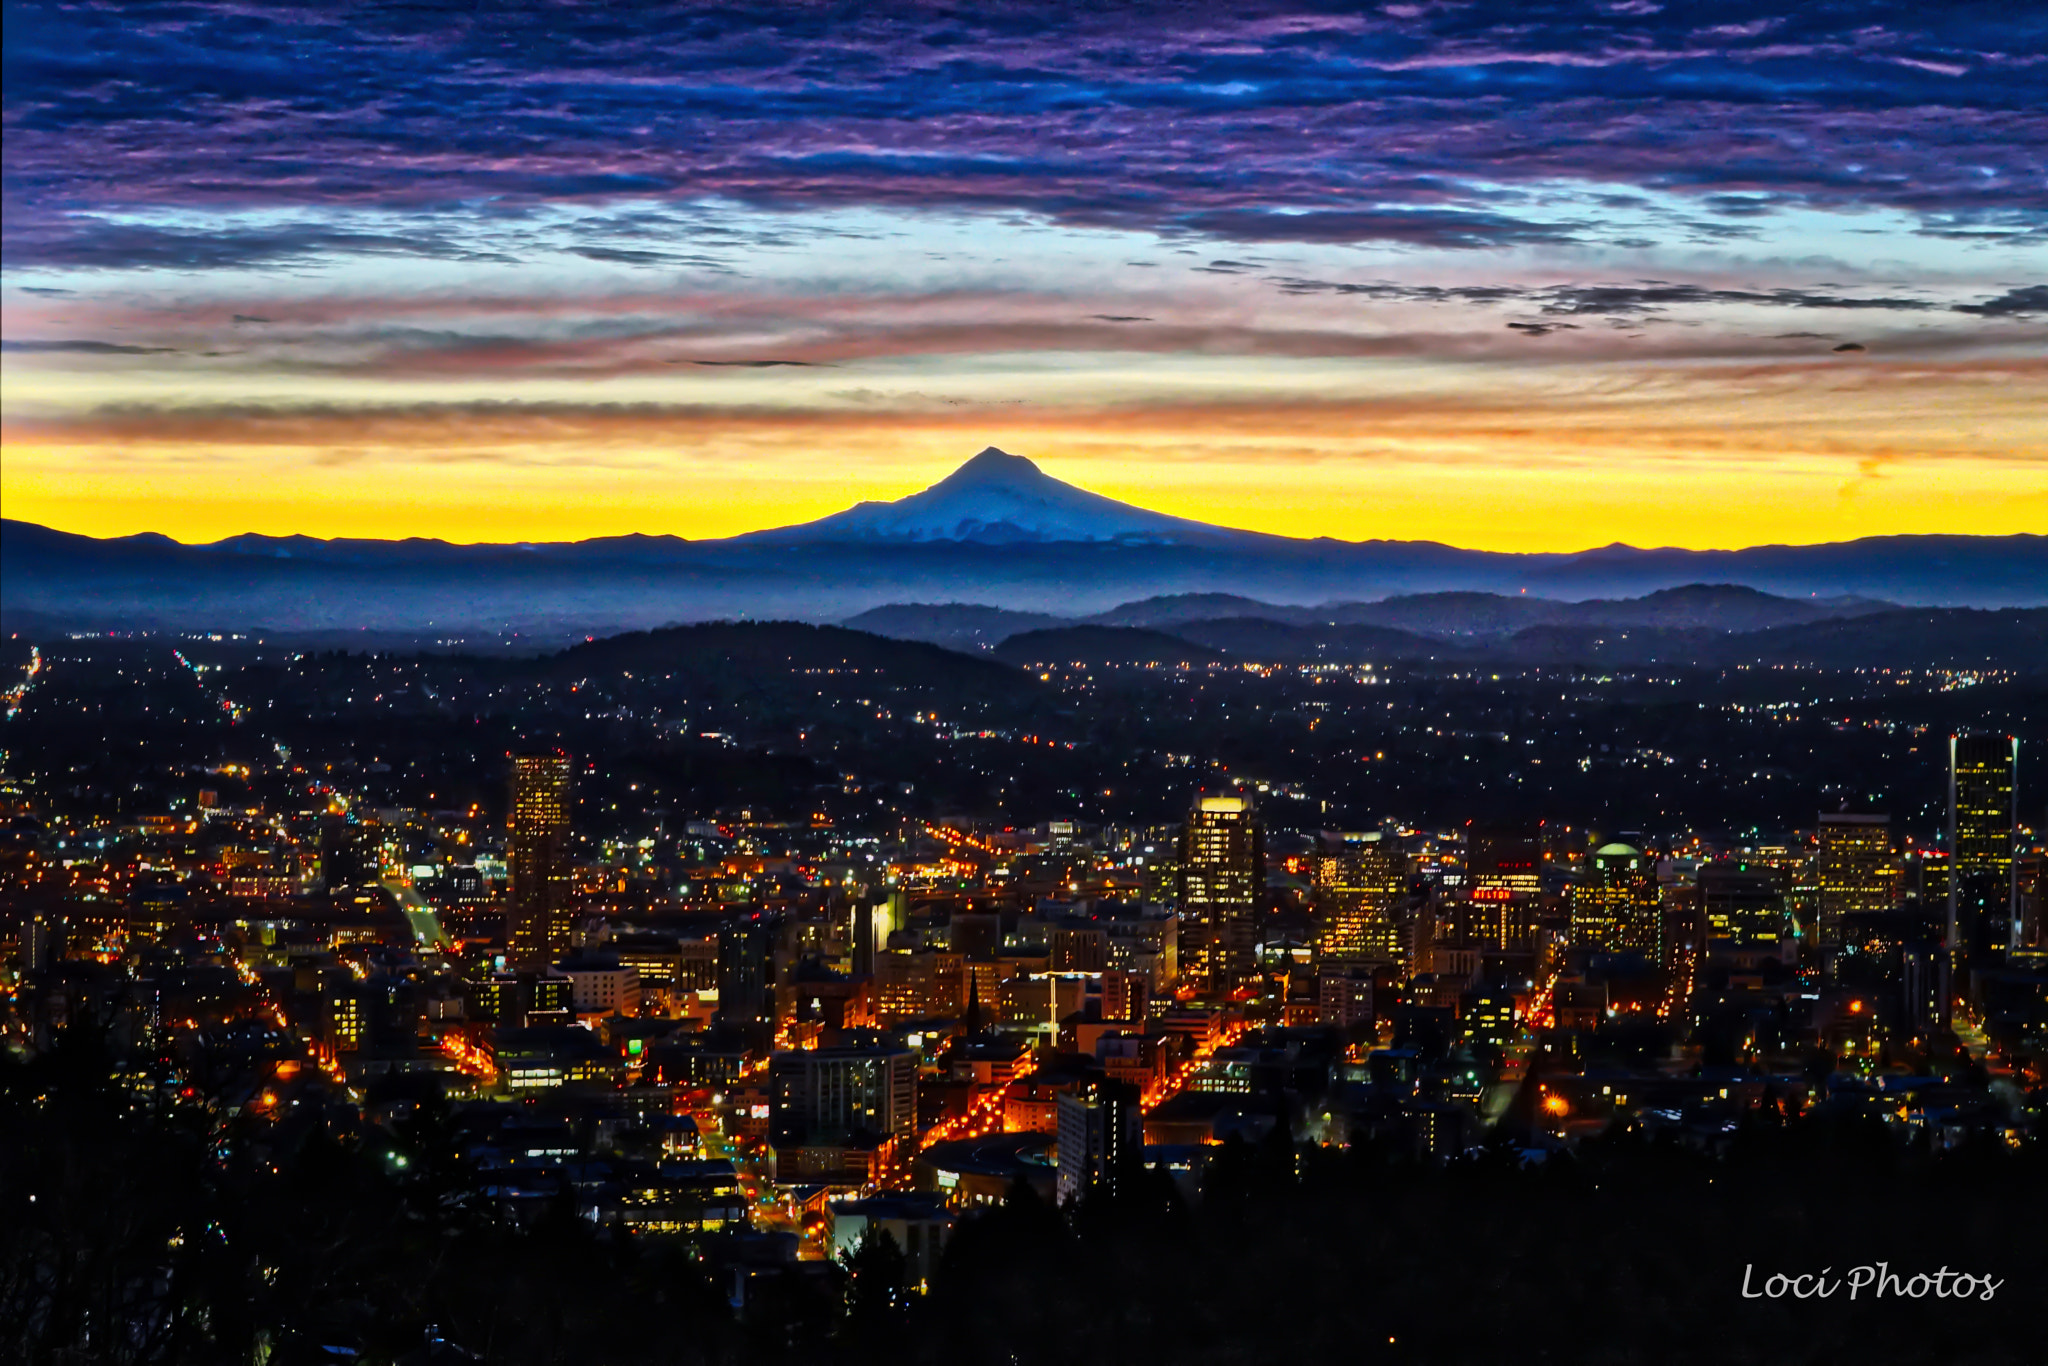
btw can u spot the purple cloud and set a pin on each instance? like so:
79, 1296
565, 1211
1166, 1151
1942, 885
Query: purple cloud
1257, 124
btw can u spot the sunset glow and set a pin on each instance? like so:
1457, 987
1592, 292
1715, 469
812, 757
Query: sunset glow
770, 298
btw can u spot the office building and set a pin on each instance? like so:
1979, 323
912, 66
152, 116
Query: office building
1358, 885
1344, 995
746, 978
1221, 878
1079, 947
1504, 858
2030, 927
874, 920
1149, 945
1855, 872
601, 984
154, 911
1494, 918
1744, 908
1101, 1138
1616, 909
343, 1014
1983, 897
1503, 874
829, 1095
538, 857
1490, 1018
345, 859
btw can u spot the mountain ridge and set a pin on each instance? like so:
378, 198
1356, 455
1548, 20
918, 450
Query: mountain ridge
988, 535
1445, 616
1906, 638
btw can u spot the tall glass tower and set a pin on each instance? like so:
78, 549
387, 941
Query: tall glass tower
1983, 816
1222, 876
538, 926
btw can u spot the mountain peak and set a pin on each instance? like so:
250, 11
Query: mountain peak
992, 465
997, 498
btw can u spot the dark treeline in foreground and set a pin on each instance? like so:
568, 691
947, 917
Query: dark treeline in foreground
142, 1224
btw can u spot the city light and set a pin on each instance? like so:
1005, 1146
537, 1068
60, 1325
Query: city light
727, 968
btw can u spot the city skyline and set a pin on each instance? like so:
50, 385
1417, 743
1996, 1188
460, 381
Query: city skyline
800, 973
1667, 275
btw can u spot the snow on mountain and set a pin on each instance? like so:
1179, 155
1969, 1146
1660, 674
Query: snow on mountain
1002, 499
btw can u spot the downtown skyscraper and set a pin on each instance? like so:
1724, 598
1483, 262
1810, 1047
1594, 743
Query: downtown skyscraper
1221, 877
1855, 872
537, 926
1982, 817
1616, 909
1359, 882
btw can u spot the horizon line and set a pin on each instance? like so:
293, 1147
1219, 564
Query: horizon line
907, 543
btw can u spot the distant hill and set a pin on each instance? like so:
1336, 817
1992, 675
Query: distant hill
955, 625
1614, 646
1103, 645
1283, 643
1446, 614
1715, 607
1164, 613
1919, 638
736, 650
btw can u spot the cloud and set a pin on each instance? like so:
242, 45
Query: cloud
490, 339
91, 242
1443, 228
1263, 123
1636, 299
2018, 224
2024, 302
1620, 300
1768, 410
649, 347
633, 257
1474, 294
84, 348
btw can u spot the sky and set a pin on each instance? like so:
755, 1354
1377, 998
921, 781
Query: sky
1516, 276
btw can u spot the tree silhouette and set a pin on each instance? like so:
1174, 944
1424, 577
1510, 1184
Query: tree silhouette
878, 1295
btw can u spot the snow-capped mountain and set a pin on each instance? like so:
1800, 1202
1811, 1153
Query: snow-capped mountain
997, 532
1002, 499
